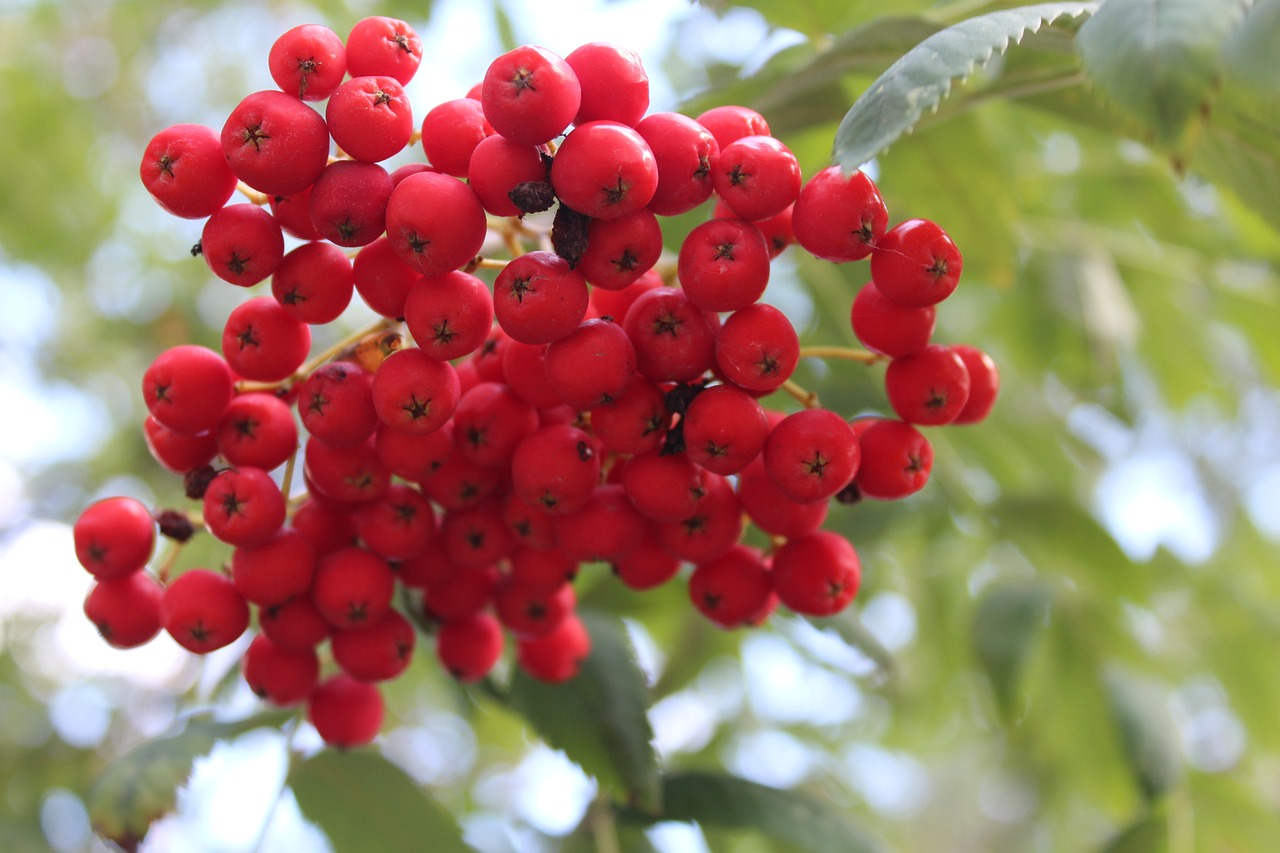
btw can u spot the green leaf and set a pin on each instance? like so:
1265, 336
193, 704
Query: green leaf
600, 717
922, 77
364, 802
1006, 624
1158, 60
1149, 834
142, 785
791, 819
1146, 732
1250, 52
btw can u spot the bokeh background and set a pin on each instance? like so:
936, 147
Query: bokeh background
1065, 642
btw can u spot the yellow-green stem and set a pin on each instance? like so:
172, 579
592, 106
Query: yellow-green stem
843, 353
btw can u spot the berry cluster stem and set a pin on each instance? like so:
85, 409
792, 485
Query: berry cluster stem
861, 356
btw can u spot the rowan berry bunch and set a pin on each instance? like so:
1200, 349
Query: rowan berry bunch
546, 389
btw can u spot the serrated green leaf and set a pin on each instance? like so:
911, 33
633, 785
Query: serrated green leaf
1006, 624
788, 818
1158, 60
922, 77
364, 802
600, 717
142, 785
1146, 732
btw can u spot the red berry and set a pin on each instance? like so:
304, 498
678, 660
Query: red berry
346, 712
346, 474
314, 282
336, 404
308, 61
125, 609
539, 298
296, 625
724, 264
604, 170
557, 656
713, 527
353, 587
261, 342
592, 365
816, 575
916, 264
896, 460
887, 327
497, 167
674, 339
450, 133
984, 383
378, 651
258, 431
929, 387
771, 510
184, 169
635, 422
555, 469
607, 526
349, 202
839, 217
176, 451
435, 223
530, 95
731, 588
281, 676
275, 143
469, 647
730, 123
114, 537
614, 84
242, 244
724, 429
398, 525
811, 455
243, 507
449, 315
275, 571
757, 177
386, 46
187, 388
757, 348
621, 250
383, 278
202, 611
370, 118
646, 566
414, 392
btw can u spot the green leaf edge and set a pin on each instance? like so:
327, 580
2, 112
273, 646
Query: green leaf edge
863, 132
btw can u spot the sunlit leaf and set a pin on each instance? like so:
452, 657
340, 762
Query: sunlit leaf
922, 77
1005, 626
599, 718
790, 819
364, 802
1159, 60
142, 785
1146, 732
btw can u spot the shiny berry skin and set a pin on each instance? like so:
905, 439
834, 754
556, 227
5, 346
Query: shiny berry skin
293, 213
731, 122
714, 526
757, 348
336, 404
916, 264
379, 45
279, 675
489, 422
414, 392
930, 387
771, 510
349, 202
646, 566
450, 133
497, 166
811, 455
261, 342
275, 143
308, 61
606, 527
818, 574
839, 218
202, 611
314, 282
379, 651
557, 656
621, 250
114, 537
449, 315
184, 169
177, 452
886, 327
614, 84
258, 431
295, 625
346, 712
530, 95
674, 340
724, 429
538, 298
435, 223
345, 474
732, 588
634, 423
398, 525
756, 177
685, 153
604, 170
383, 278
555, 469
896, 460
469, 647
370, 118
275, 571
125, 609
353, 587
187, 388
664, 487
243, 507
984, 384
724, 264
532, 611
592, 365
242, 244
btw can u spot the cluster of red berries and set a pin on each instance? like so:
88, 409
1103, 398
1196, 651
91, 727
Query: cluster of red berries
577, 409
